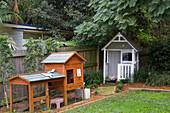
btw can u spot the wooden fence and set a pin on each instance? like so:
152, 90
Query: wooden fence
91, 54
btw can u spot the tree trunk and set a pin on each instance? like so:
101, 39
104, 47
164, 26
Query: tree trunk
5, 92
6, 96
16, 10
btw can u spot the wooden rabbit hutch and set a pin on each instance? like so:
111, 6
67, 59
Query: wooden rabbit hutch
69, 64
68, 76
31, 81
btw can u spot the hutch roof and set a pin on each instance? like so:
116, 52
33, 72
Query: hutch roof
37, 77
61, 57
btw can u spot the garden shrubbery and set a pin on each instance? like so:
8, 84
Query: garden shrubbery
93, 79
151, 77
158, 72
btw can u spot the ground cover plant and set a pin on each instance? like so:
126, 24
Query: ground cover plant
130, 102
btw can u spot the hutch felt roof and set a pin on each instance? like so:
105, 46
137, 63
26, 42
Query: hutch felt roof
128, 40
37, 77
61, 57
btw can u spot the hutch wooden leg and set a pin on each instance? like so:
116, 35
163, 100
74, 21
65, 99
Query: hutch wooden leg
83, 92
47, 96
11, 102
31, 103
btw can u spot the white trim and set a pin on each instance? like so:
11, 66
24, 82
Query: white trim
133, 62
104, 66
107, 57
119, 41
125, 62
111, 41
121, 56
137, 61
113, 49
118, 35
20, 26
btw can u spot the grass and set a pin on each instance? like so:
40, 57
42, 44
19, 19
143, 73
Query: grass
130, 102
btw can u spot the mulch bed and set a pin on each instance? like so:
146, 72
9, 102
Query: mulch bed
92, 98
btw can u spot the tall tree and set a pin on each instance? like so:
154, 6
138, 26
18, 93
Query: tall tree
16, 10
129, 16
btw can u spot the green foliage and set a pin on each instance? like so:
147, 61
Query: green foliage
89, 86
6, 67
34, 54
95, 84
117, 90
56, 15
94, 78
36, 50
128, 16
159, 54
96, 92
52, 45
142, 74
151, 77
120, 86
125, 81
6, 12
158, 79
130, 102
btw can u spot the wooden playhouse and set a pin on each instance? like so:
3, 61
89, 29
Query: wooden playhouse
68, 76
121, 58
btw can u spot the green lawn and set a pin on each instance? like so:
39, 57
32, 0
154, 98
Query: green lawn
131, 102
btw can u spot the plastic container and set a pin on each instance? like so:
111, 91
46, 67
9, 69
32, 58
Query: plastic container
87, 93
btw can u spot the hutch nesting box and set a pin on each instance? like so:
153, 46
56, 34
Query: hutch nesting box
69, 64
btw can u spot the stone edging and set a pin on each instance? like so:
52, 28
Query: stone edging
147, 89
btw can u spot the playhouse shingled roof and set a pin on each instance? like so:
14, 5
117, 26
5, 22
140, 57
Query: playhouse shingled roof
61, 57
37, 77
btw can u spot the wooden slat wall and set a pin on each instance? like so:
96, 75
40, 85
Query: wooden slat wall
19, 91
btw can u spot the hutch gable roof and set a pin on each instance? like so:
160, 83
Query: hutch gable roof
61, 57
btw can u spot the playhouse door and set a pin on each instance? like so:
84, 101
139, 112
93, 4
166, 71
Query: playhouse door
113, 61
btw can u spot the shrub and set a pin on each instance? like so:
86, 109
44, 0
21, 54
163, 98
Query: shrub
159, 54
120, 86
158, 79
142, 74
117, 90
119, 82
95, 85
125, 81
96, 92
94, 77
151, 77
89, 86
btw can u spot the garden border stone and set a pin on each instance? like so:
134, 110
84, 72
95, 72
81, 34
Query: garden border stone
147, 89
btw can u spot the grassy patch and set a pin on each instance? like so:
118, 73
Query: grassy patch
131, 102
107, 90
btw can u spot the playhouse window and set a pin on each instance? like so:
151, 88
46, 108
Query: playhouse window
127, 56
70, 78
